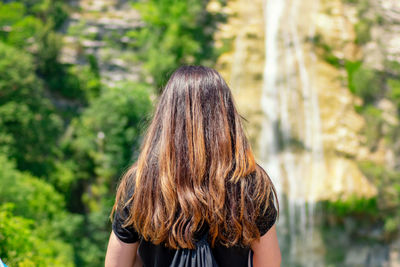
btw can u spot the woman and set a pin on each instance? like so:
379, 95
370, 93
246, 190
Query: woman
196, 175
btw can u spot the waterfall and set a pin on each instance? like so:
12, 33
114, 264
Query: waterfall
291, 116
269, 100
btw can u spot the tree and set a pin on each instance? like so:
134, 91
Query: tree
32, 220
175, 33
29, 126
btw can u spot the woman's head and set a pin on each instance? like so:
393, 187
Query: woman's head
195, 166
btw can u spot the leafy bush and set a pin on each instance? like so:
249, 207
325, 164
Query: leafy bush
388, 184
363, 31
394, 93
65, 138
364, 82
34, 198
29, 126
106, 137
354, 206
10, 14
21, 246
373, 126
176, 33
31, 28
50, 11
33, 221
99, 145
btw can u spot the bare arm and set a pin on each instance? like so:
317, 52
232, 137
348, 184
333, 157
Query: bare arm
266, 250
119, 253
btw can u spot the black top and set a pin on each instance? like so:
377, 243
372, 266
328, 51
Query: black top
161, 256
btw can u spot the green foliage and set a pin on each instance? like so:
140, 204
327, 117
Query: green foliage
106, 136
65, 138
29, 128
365, 23
74, 82
25, 32
10, 14
349, 222
26, 29
354, 206
364, 82
388, 184
394, 92
351, 68
80, 83
31, 220
326, 51
99, 145
91, 248
367, 84
393, 68
371, 86
34, 198
385, 180
176, 33
362, 7
32, 29
374, 123
21, 246
50, 11
15, 236
363, 31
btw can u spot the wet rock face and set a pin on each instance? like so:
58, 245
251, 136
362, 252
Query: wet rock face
377, 30
310, 90
98, 28
242, 66
384, 35
307, 79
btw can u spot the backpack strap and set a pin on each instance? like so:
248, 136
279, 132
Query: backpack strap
250, 261
201, 256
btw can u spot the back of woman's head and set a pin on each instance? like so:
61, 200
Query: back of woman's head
195, 166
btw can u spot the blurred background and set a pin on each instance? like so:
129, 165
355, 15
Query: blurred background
317, 80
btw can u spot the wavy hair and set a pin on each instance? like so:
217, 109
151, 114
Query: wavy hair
195, 166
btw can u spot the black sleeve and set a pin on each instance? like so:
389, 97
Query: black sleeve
125, 234
266, 220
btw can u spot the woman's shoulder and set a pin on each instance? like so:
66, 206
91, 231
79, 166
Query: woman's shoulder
268, 215
267, 198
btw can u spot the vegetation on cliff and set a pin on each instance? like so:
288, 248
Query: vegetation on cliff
375, 81
65, 135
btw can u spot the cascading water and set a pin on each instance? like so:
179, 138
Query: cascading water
291, 143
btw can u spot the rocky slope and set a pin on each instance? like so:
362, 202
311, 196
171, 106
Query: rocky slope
97, 28
303, 122
340, 125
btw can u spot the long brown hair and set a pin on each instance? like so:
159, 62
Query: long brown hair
196, 166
